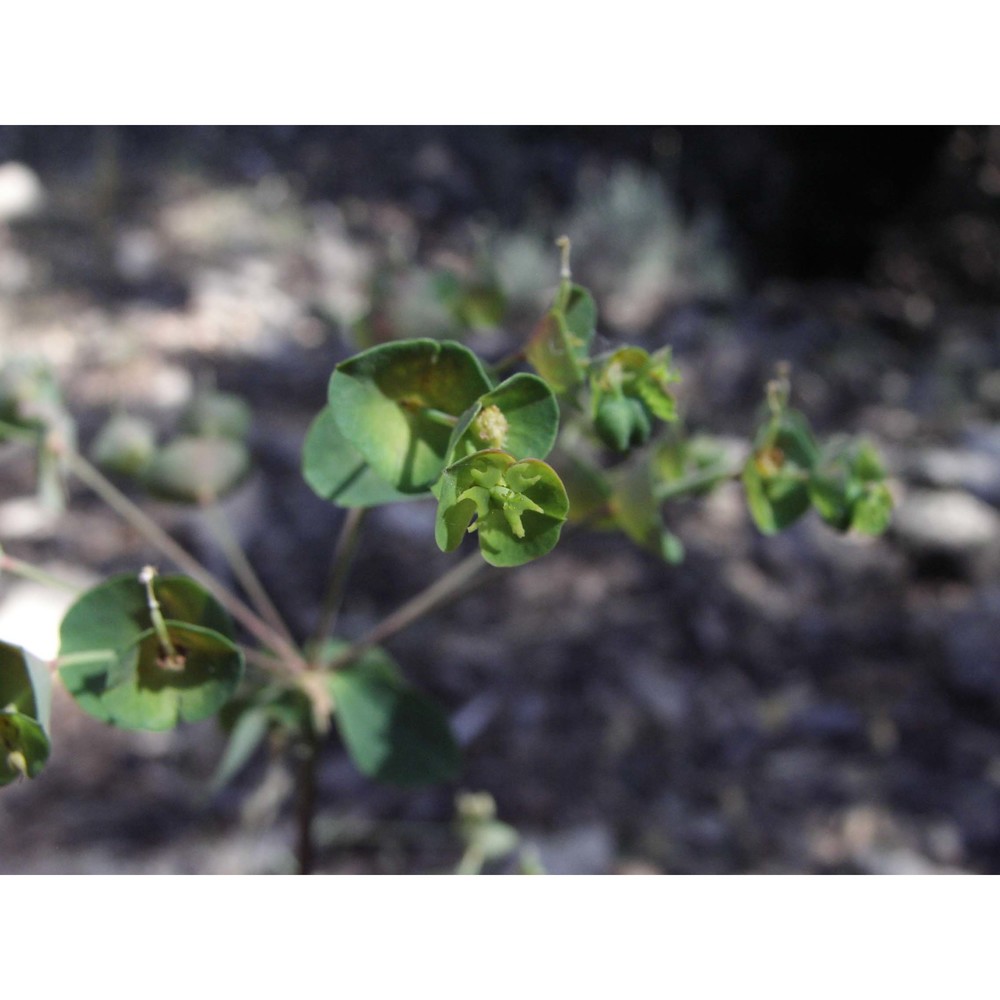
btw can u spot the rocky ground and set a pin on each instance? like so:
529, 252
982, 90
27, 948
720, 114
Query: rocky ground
804, 703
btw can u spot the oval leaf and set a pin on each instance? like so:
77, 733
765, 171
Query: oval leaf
111, 660
151, 694
398, 403
217, 414
197, 470
392, 731
337, 472
520, 416
559, 346
125, 445
25, 684
24, 746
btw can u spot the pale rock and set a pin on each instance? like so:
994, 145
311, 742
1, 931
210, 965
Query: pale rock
21, 192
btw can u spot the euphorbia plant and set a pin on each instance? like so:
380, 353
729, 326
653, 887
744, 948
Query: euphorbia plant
509, 455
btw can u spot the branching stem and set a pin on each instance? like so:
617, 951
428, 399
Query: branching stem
454, 580
343, 557
242, 568
156, 536
10, 564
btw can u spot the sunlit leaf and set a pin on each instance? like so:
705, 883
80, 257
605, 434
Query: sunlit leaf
520, 416
112, 661
397, 404
517, 509
337, 472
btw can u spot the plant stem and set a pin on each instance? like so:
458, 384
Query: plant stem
156, 536
429, 598
9, 564
305, 785
243, 570
343, 557
695, 482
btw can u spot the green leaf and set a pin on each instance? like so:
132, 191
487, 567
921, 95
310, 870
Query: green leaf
398, 403
520, 416
873, 510
516, 508
559, 347
638, 513
588, 489
247, 733
125, 445
113, 665
197, 470
151, 695
24, 746
30, 396
392, 732
217, 414
847, 487
336, 471
777, 474
628, 390
25, 684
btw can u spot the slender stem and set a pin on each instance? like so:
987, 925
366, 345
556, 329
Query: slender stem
9, 564
694, 482
146, 578
343, 557
429, 598
227, 541
156, 536
564, 246
439, 416
305, 784
516, 357
29, 435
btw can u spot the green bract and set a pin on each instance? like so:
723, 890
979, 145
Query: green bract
197, 469
125, 445
391, 730
559, 346
115, 666
520, 416
217, 414
628, 390
776, 475
516, 508
847, 487
636, 509
337, 472
24, 747
25, 701
398, 403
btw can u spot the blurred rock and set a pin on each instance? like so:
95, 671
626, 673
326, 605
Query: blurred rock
582, 850
950, 525
21, 192
974, 470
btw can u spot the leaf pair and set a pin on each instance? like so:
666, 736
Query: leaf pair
787, 473
115, 665
207, 460
628, 390
407, 418
391, 731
